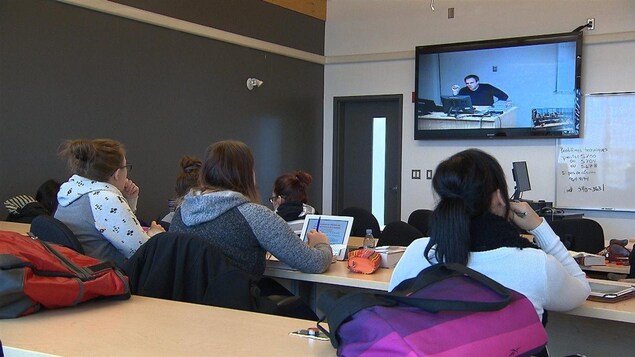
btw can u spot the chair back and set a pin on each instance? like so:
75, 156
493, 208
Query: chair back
52, 230
399, 233
580, 234
420, 219
363, 219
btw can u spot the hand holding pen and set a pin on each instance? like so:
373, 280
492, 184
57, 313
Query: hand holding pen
315, 236
523, 216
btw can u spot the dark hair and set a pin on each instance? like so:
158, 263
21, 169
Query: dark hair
47, 195
292, 187
464, 185
472, 76
229, 165
94, 159
188, 177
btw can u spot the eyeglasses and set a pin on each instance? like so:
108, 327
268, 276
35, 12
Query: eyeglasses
127, 166
273, 198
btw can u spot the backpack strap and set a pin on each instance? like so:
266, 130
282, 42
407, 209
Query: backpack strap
83, 273
439, 272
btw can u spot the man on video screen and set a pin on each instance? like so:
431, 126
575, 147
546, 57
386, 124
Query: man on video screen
481, 93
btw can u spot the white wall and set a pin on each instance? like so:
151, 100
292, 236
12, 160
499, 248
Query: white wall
361, 33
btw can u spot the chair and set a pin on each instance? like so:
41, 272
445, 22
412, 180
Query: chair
185, 267
53, 230
420, 219
580, 234
399, 233
363, 220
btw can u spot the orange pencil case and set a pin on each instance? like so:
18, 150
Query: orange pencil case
365, 261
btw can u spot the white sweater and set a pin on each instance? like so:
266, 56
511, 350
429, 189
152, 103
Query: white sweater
548, 277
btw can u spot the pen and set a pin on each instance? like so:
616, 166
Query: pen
317, 227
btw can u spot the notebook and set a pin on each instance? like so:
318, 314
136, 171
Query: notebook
336, 228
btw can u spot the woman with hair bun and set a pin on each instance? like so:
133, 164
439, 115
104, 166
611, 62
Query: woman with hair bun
289, 198
98, 201
186, 180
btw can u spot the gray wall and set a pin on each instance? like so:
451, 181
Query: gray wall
67, 72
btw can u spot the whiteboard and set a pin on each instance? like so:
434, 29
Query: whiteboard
598, 170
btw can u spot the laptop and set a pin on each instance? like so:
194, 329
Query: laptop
336, 228
427, 106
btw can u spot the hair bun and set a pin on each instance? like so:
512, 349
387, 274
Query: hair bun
189, 164
304, 177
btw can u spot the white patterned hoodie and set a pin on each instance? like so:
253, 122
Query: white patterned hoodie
101, 218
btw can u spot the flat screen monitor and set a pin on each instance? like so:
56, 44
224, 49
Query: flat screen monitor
521, 87
521, 178
458, 104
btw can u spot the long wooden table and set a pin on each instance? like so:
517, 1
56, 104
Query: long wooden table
14, 227
145, 326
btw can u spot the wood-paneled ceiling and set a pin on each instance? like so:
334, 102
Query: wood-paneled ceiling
313, 8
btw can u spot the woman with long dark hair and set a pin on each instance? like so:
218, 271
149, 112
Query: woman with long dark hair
475, 224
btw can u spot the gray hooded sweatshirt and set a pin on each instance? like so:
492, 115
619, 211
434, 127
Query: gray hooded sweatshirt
245, 231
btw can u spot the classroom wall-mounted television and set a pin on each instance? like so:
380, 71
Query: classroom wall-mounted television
522, 87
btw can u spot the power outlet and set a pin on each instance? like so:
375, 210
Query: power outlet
590, 23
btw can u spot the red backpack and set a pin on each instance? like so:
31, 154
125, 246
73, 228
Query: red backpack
37, 274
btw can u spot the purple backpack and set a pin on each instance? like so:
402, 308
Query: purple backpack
447, 310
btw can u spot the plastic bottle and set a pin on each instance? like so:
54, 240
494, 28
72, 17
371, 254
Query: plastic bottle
369, 240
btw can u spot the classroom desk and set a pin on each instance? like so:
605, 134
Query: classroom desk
14, 227
608, 327
593, 329
438, 120
338, 274
145, 326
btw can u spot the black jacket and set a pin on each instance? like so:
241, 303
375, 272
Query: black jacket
187, 268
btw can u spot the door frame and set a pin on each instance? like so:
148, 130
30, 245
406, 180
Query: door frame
338, 115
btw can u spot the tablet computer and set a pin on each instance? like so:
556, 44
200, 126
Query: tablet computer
336, 228
610, 290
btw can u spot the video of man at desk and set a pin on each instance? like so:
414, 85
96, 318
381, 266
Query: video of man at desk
515, 87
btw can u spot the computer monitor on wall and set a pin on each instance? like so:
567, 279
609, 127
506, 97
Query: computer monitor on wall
521, 178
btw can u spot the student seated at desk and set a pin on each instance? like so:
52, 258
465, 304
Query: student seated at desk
98, 202
289, 198
475, 224
187, 179
225, 210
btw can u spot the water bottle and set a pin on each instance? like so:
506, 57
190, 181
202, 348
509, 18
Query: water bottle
369, 240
